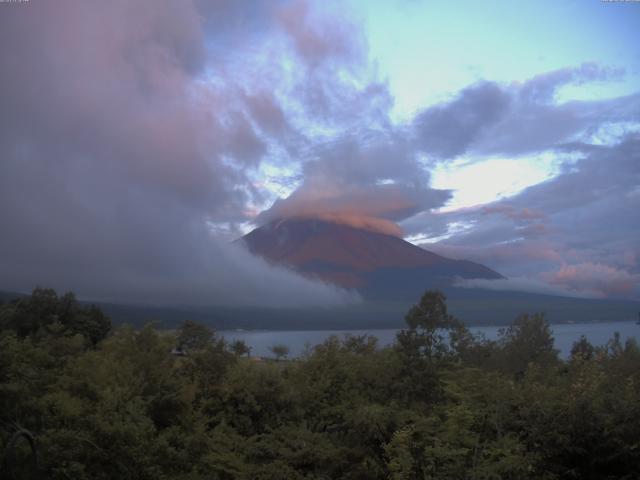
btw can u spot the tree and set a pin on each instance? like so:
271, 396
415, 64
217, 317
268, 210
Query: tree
359, 344
92, 323
27, 315
240, 348
43, 313
194, 336
429, 341
280, 351
430, 327
582, 349
528, 339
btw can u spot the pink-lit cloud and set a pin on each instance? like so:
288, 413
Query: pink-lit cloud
373, 207
577, 233
598, 279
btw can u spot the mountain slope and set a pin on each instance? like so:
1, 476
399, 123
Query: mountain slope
356, 258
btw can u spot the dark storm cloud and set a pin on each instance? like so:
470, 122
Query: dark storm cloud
116, 154
578, 232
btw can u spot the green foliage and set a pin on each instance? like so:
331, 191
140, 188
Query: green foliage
582, 349
433, 334
240, 348
433, 339
194, 336
280, 351
440, 403
527, 340
45, 314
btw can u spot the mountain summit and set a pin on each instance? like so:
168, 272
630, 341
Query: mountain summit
376, 264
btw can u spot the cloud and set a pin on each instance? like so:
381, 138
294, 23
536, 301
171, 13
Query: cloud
601, 280
319, 39
123, 135
381, 172
577, 232
583, 280
521, 284
370, 183
490, 118
129, 132
543, 88
512, 212
371, 207
448, 130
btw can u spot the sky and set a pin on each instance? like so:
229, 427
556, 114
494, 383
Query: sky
138, 139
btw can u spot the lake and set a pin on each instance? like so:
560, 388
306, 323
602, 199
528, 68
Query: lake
564, 335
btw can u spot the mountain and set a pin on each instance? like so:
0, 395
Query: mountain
380, 266
390, 274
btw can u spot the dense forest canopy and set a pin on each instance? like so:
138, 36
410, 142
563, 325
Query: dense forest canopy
96, 402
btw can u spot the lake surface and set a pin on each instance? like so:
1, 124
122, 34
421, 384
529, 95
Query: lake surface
296, 340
